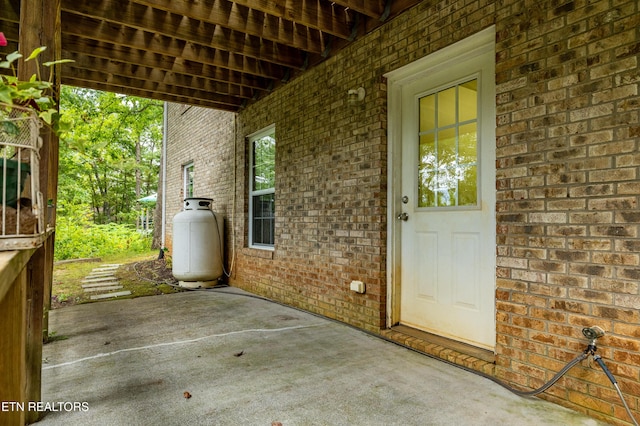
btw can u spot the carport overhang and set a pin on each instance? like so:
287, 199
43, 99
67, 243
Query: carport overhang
220, 54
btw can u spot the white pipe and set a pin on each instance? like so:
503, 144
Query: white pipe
165, 121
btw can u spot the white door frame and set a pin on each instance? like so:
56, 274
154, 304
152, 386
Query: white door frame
396, 79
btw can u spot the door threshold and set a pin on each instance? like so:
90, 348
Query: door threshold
458, 353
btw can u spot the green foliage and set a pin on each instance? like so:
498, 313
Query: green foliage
111, 157
108, 160
78, 237
35, 93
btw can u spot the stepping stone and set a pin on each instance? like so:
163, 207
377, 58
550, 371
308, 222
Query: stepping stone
104, 288
92, 278
106, 271
98, 280
101, 280
101, 284
106, 268
100, 274
109, 295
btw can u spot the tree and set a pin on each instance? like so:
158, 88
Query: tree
111, 157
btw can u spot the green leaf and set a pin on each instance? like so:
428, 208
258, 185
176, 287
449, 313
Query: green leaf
12, 57
62, 126
44, 102
5, 95
46, 115
28, 92
60, 61
37, 51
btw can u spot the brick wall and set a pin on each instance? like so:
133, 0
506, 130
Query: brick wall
567, 145
568, 126
204, 137
330, 197
331, 169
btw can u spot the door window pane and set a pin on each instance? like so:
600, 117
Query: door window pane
447, 107
467, 192
468, 143
468, 101
448, 149
427, 113
428, 150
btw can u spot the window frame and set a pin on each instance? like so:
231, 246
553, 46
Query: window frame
252, 138
456, 125
188, 179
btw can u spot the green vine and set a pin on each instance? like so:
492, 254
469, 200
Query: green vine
35, 94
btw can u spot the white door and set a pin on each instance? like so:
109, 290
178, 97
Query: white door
447, 212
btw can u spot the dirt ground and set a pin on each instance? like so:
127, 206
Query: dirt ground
153, 271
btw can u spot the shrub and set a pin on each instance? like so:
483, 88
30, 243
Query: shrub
77, 237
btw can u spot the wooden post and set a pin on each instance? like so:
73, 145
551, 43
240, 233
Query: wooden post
12, 342
13, 332
49, 170
35, 306
40, 26
48, 265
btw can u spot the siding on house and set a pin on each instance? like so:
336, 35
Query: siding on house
568, 129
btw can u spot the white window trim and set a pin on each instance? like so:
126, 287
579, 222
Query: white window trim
185, 179
251, 138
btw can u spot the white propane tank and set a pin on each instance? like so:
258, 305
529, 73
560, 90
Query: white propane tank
197, 244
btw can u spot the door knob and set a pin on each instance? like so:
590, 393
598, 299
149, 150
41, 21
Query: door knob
403, 216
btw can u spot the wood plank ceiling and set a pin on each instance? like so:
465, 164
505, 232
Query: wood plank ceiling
220, 54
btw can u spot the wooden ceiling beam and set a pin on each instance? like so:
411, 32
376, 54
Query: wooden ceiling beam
240, 18
139, 72
118, 34
371, 8
124, 37
183, 28
77, 49
321, 15
145, 86
11, 32
10, 11
79, 81
237, 50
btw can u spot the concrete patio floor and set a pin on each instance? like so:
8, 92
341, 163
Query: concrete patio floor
247, 361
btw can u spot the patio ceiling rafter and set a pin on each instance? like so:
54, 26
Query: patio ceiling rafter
214, 53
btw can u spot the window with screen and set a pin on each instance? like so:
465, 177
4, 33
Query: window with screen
262, 189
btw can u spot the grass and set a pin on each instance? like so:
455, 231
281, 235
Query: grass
140, 273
